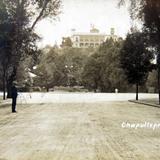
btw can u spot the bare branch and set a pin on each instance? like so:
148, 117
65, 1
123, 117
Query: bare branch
49, 8
40, 14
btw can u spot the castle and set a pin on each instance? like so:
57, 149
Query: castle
91, 39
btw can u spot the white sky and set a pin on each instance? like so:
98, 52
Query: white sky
80, 14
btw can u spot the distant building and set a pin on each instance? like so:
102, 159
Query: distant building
91, 39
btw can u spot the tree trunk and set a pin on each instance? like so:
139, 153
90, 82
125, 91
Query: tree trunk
158, 70
40, 14
158, 85
4, 83
9, 86
10, 82
95, 86
137, 91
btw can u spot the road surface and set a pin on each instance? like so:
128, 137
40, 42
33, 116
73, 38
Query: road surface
79, 131
54, 97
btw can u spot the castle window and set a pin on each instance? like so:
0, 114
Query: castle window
76, 39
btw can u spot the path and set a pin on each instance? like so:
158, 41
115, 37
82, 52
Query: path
53, 97
78, 131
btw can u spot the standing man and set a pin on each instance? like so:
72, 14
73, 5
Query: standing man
14, 96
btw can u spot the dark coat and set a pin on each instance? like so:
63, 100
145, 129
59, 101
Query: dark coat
14, 92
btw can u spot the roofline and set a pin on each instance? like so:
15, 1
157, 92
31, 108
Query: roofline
84, 34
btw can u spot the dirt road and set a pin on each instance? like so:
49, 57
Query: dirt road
80, 131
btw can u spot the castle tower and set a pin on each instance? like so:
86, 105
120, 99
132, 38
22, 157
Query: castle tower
112, 31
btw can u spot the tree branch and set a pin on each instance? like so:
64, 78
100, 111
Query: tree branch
40, 14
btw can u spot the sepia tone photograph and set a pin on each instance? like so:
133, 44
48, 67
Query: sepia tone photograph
79, 80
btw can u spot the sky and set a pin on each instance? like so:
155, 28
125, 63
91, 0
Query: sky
80, 15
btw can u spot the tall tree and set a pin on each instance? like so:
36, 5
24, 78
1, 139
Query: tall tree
91, 74
111, 72
136, 59
148, 12
102, 70
47, 70
23, 17
5, 43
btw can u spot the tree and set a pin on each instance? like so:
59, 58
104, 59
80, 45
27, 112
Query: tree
136, 59
112, 75
102, 70
25, 71
5, 44
47, 71
20, 15
151, 26
148, 12
66, 42
70, 63
91, 73
66, 68
152, 82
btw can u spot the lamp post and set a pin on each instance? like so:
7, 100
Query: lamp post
68, 68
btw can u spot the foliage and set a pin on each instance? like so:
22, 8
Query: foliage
47, 71
18, 18
136, 59
102, 70
5, 44
66, 42
152, 81
60, 67
71, 62
91, 72
148, 12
